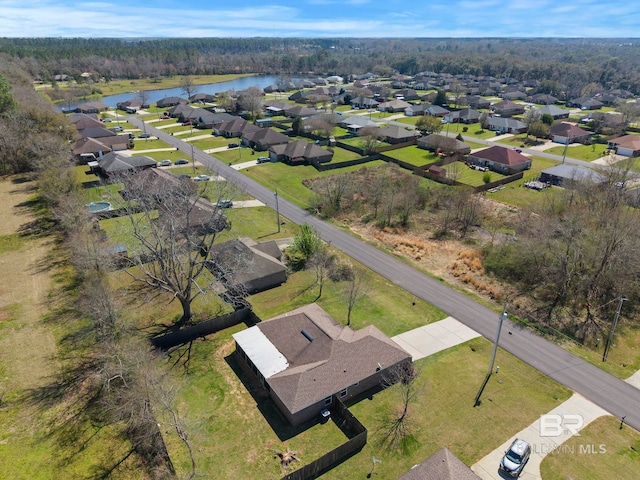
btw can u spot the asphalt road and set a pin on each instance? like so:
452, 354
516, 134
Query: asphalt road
612, 394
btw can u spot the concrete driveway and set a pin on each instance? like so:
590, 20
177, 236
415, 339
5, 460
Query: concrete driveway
429, 339
569, 417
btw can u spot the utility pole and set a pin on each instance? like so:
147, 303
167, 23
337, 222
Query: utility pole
564, 155
503, 316
607, 345
193, 159
277, 209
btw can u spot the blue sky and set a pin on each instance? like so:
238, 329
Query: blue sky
320, 18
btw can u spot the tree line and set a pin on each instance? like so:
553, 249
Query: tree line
611, 63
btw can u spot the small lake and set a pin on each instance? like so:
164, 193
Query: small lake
243, 83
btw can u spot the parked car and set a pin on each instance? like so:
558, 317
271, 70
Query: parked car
164, 163
181, 161
184, 176
224, 204
106, 120
144, 135
117, 128
165, 117
202, 178
188, 122
515, 458
263, 159
232, 145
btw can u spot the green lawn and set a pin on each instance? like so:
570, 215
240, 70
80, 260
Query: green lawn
468, 176
602, 450
149, 144
413, 155
587, 153
475, 130
288, 179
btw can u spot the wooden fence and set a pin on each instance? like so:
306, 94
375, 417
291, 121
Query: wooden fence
355, 432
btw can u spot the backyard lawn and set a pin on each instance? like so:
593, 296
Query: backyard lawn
413, 155
217, 397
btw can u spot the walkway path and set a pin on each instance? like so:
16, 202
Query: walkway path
577, 412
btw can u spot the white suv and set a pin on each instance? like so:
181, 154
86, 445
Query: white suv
515, 458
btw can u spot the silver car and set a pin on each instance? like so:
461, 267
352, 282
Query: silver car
515, 458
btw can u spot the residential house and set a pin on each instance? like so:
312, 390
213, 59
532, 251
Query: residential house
364, 102
299, 111
542, 99
203, 217
441, 143
247, 267
514, 95
426, 109
627, 145
442, 465
507, 108
305, 359
202, 98
500, 159
300, 152
466, 115
131, 105
567, 132
585, 103
113, 164
91, 107
234, 128
406, 94
353, 123
170, 102
506, 125
96, 147
207, 119
474, 101
393, 106
264, 138
555, 112
564, 174
394, 134
275, 108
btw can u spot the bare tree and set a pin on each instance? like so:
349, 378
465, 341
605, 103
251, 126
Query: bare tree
322, 125
356, 289
370, 136
251, 100
143, 96
175, 226
396, 427
187, 86
322, 264
530, 117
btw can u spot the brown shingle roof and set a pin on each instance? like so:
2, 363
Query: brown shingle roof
506, 156
442, 465
337, 358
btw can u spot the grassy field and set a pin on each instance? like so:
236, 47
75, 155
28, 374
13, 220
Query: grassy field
40, 437
288, 179
615, 454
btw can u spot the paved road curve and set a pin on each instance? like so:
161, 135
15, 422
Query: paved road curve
610, 393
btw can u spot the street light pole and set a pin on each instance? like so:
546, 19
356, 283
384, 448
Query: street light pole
277, 209
564, 155
613, 327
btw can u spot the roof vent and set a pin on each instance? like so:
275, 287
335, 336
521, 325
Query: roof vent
307, 335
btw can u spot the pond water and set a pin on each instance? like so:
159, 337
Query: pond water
243, 83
